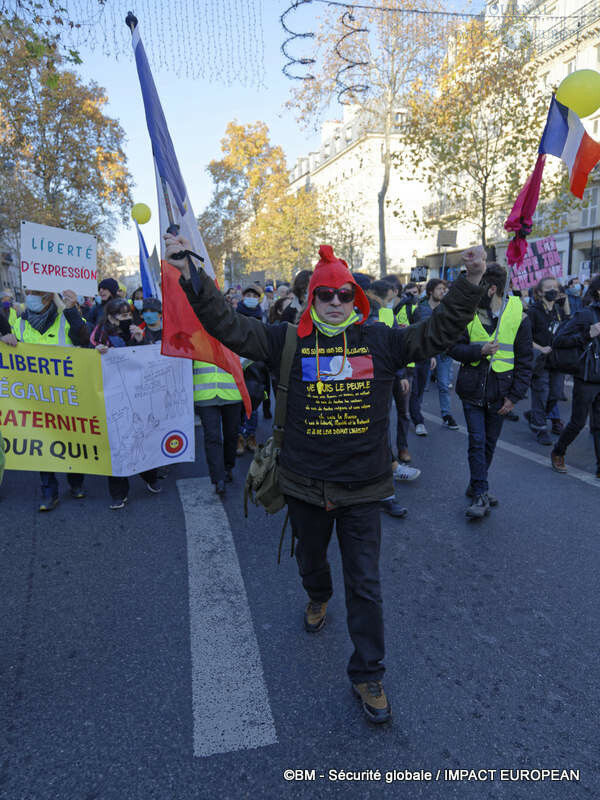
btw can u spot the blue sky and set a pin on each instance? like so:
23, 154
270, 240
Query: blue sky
197, 112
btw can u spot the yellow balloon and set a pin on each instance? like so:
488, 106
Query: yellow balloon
580, 91
140, 213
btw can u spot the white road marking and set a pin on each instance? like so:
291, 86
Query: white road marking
229, 695
544, 461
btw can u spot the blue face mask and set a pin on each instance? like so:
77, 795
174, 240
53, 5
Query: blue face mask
150, 317
80, 299
251, 302
34, 303
139, 304
98, 299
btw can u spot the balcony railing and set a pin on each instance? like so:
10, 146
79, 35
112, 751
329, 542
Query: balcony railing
567, 28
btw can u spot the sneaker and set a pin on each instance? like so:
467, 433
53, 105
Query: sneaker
450, 422
404, 455
77, 492
49, 503
405, 473
118, 504
421, 430
374, 702
393, 508
241, 446
251, 443
154, 488
543, 437
557, 426
558, 463
479, 508
314, 616
220, 487
470, 492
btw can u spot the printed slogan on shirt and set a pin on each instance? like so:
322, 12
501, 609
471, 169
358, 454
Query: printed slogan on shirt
337, 391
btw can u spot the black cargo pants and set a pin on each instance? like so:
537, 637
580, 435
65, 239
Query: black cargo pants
358, 530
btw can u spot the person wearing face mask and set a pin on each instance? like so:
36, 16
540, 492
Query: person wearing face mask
49, 321
546, 384
575, 295
581, 330
7, 306
152, 319
250, 307
494, 375
107, 290
116, 329
137, 305
435, 291
382, 297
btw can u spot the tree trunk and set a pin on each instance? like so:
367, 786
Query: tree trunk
483, 213
387, 161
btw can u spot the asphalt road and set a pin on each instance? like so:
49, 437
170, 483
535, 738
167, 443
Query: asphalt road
492, 640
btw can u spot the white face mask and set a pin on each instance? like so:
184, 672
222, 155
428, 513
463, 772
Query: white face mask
390, 304
251, 302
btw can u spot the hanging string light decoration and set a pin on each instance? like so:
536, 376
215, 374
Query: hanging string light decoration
348, 91
292, 36
220, 41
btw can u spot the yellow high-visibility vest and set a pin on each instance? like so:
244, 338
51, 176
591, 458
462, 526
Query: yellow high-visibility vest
57, 333
508, 326
386, 315
211, 382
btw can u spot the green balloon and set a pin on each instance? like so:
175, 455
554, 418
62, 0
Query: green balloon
580, 91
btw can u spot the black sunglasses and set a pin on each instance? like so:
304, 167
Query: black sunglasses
326, 295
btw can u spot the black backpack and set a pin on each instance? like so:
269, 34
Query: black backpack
573, 360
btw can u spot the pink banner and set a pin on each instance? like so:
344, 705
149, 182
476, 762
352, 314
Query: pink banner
542, 260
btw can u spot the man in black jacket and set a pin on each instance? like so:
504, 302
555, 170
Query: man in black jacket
335, 463
495, 374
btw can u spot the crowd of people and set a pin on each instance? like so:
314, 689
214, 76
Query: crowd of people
363, 345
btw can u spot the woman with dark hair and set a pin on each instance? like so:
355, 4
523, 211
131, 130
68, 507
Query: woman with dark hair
582, 329
299, 291
137, 304
116, 329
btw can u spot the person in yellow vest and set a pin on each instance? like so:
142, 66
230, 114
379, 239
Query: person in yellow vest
6, 337
46, 320
8, 308
219, 405
496, 355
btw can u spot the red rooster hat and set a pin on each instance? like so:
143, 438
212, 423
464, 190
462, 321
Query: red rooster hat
331, 272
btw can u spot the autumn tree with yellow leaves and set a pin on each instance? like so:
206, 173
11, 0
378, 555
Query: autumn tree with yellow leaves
252, 211
371, 58
473, 133
62, 161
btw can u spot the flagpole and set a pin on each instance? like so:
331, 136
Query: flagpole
131, 21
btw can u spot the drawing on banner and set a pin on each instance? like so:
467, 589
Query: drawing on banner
151, 413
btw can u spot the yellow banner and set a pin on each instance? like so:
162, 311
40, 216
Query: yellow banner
52, 410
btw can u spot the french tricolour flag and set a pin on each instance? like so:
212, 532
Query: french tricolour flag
564, 136
183, 335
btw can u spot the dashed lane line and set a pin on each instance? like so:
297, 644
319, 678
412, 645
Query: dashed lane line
544, 461
230, 701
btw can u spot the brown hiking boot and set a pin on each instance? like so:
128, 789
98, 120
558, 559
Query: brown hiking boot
241, 446
251, 443
558, 462
404, 455
374, 702
314, 616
